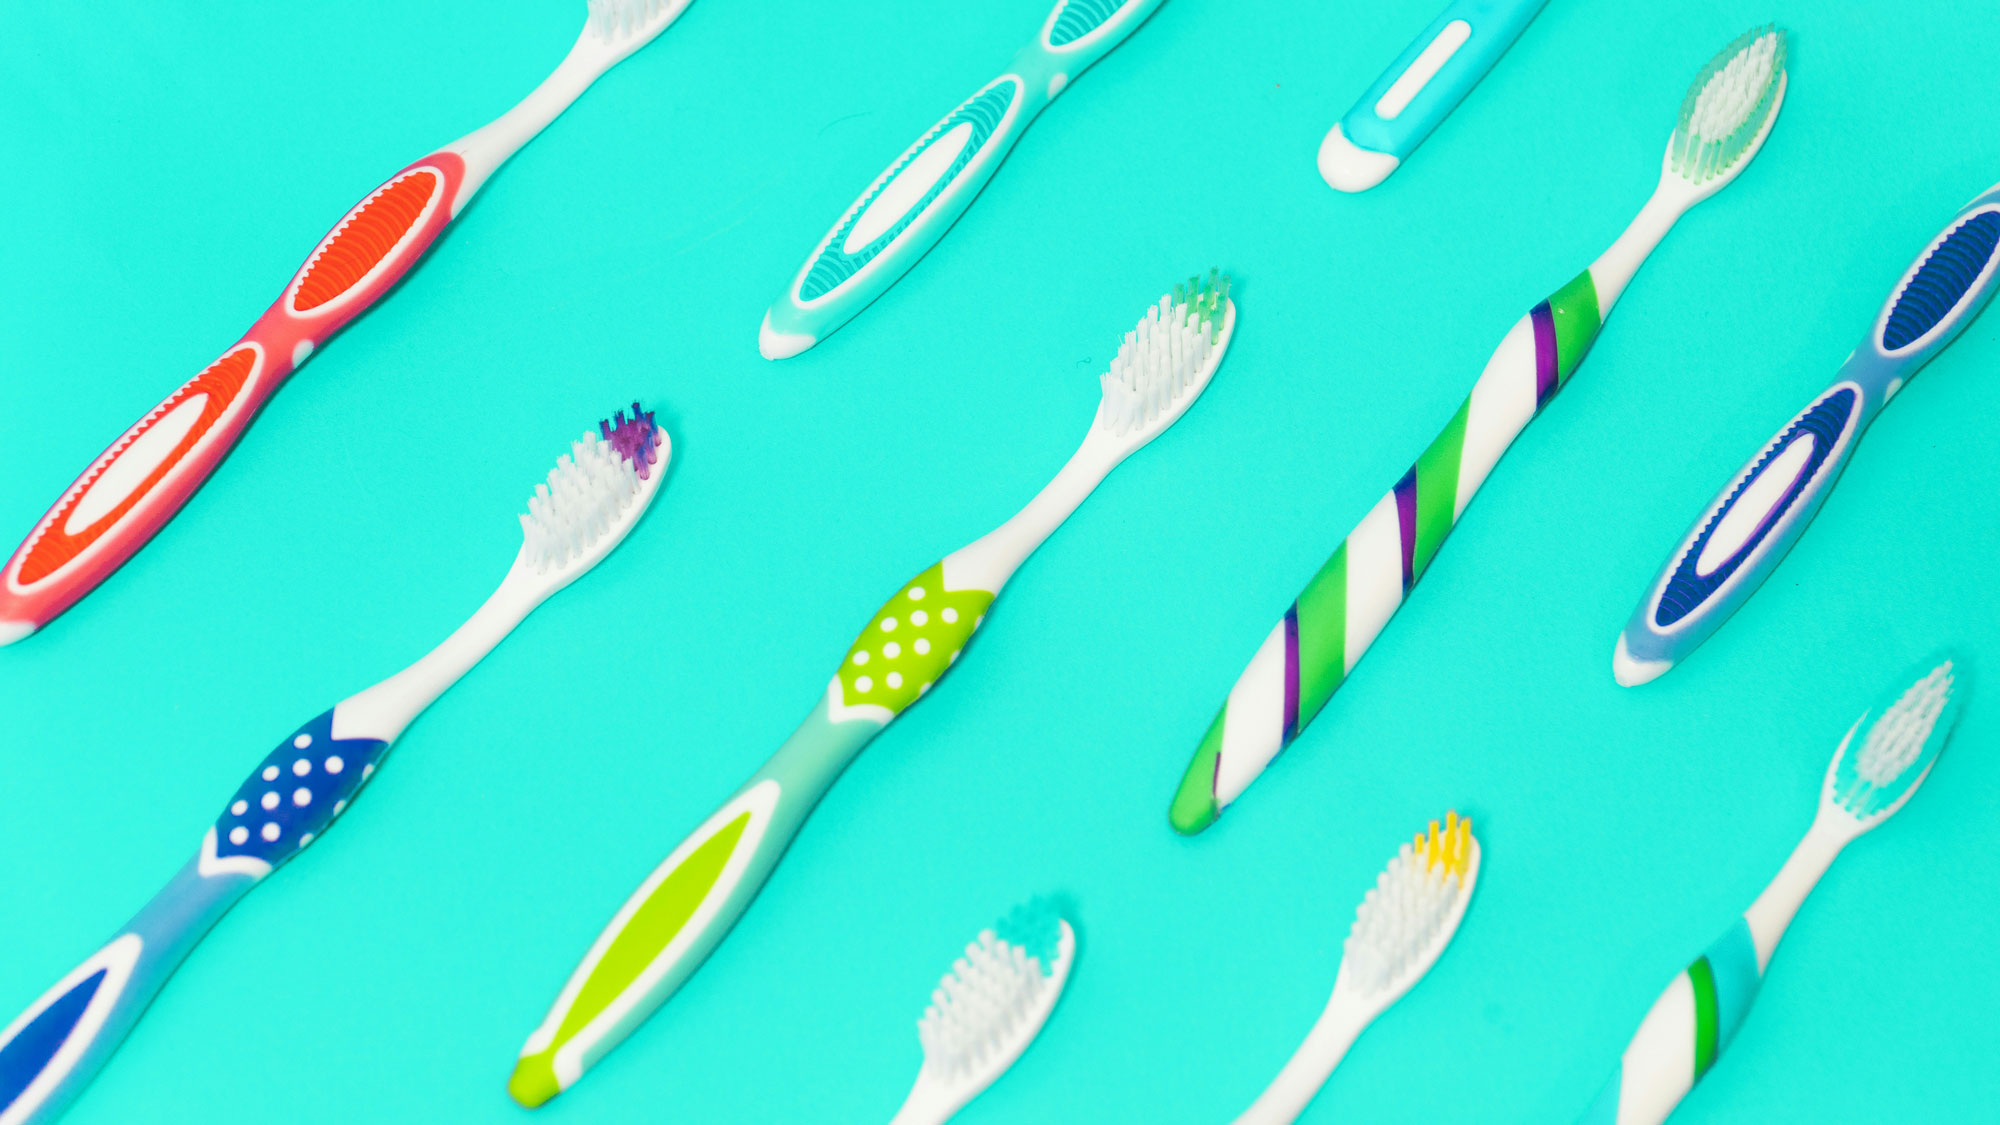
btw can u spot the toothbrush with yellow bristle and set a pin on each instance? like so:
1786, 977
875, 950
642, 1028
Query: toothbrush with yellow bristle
1700, 1012
1399, 932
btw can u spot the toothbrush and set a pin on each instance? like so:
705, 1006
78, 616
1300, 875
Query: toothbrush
1699, 1013
143, 479
1728, 112
1420, 89
1399, 932
919, 196
683, 909
47, 1055
1746, 530
987, 1010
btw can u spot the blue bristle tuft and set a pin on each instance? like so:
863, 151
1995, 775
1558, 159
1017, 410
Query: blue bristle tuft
1942, 281
1035, 927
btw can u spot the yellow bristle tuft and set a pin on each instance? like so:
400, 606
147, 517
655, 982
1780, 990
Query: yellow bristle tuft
1450, 849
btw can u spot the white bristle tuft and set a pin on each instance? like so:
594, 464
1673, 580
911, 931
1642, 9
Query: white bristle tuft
1163, 359
584, 498
980, 1005
1397, 921
611, 20
1728, 105
1895, 739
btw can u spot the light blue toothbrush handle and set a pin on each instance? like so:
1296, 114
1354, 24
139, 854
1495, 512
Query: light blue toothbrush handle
1745, 531
1682, 1034
53, 1050
911, 205
1420, 89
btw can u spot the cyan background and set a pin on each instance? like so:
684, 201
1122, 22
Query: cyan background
170, 165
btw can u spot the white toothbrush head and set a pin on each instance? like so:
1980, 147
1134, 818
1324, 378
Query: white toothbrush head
1869, 781
1729, 110
1407, 919
627, 25
989, 1007
1165, 362
592, 497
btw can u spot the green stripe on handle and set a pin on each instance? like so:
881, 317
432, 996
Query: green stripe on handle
1309, 654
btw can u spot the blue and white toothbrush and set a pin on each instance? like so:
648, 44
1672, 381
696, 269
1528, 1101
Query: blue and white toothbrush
911, 204
1742, 535
1420, 90
51, 1052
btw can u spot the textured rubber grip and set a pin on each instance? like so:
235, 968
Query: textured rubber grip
1435, 73
134, 487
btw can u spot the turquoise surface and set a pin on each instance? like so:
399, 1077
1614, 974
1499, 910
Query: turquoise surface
170, 165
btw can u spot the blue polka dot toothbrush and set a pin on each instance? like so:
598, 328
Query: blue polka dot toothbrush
592, 498
911, 204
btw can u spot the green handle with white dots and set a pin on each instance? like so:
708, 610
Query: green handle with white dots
685, 907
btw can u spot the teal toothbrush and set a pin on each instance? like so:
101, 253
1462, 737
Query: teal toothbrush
683, 909
1688, 1027
919, 196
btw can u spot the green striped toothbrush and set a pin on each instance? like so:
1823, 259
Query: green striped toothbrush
1726, 115
676, 917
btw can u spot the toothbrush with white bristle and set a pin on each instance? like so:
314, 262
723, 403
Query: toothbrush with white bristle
1399, 932
676, 917
986, 1011
1700, 1012
590, 501
1726, 115
138, 484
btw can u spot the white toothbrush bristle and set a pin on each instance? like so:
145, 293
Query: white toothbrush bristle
1165, 361
1728, 105
1896, 738
612, 20
592, 492
1410, 911
981, 1006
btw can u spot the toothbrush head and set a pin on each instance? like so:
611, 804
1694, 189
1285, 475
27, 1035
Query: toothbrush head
1405, 922
1165, 362
630, 24
1896, 751
592, 497
1729, 110
993, 1002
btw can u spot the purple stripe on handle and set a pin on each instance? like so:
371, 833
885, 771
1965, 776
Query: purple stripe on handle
1406, 519
1291, 673
1545, 352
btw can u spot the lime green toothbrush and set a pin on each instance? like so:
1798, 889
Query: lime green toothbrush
676, 917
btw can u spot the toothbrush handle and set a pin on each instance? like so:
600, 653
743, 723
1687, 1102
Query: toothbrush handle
54, 1048
670, 925
133, 488
1309, 1067
1307, 655
1434, 73
1683, 1032
911, 205
57, 1046
1746, 530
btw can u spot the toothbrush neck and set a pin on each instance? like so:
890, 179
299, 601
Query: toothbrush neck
991, 560
1774, 909
381, 712
1616, 267
488, 147
1309, 1067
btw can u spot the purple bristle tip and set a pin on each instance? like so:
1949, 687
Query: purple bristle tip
636, 438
